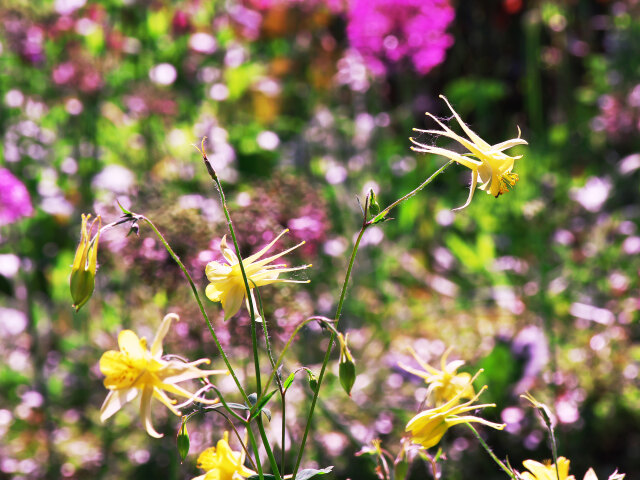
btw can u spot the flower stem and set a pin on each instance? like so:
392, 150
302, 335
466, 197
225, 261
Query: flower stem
490, 452
365, 225
252, 313
384, 212
200, 305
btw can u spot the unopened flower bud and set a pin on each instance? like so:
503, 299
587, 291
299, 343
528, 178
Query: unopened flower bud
182, 440
347, 367
313, 382
83, 270
374, 206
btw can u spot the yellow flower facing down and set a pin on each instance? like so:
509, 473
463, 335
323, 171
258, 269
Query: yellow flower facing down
222, 463
83, 270
134, 369
443, 384
227, 284
427, 428
547, 471
488, 163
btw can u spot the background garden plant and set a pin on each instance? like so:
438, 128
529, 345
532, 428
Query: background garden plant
102, 101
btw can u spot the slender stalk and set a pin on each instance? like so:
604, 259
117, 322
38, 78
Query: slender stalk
384, 212
490, 452
554, 449
200, 305
284, 350
365, 225
256, 451
283, 428
254, 339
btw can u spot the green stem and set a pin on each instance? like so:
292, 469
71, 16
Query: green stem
252, 313
554, 448
254, 339
365, 224
330, 346
490, 452
256, 451
200, 305
384, 212
284, 350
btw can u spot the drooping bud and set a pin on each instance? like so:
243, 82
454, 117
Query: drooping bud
83, 270
182, 440
347, 367
313, 381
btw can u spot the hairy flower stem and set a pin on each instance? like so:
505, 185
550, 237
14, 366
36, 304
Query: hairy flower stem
490, 452
200, 305
365, 224
384, 212
252, 313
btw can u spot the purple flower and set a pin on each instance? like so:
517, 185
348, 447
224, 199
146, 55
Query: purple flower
15, 202
387, 31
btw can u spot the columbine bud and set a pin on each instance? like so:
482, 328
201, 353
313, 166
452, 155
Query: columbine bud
83, 270
313, 382
183, 440
374, 207
347, 367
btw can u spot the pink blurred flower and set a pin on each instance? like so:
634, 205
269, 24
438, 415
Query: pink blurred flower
387, 31
15, 202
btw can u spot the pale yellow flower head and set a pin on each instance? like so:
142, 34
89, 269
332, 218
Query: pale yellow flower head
488, 163
444, 384
134, 369
222, 463
227, 284
547, 471
427, 428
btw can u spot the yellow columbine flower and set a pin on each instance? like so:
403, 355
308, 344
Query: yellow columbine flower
547, 471
83, 270
227, 285
427, 428
486, 162
222, 463
443, 384
136, 369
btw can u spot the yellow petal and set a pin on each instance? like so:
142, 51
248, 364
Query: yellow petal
115, 400
118, 371
232, 301
130, 345
207, 460
156, 347
145, 411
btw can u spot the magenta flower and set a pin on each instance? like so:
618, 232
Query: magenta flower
387, 31
15, 202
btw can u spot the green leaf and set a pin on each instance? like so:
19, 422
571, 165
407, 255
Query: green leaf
287, 383
309, 473
261, 404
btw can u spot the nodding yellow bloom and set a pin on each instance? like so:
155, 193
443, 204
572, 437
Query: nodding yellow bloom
427, 428
134, 369
443, 384
547, 470
488, 163
227, 284
83, 270
222, 463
